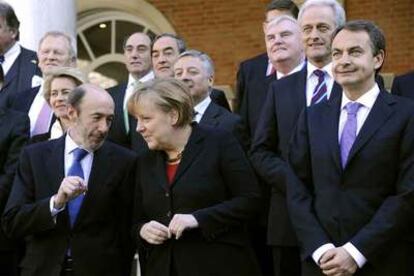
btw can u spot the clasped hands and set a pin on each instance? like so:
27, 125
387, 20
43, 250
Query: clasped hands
70, 187
156, 233
337, 262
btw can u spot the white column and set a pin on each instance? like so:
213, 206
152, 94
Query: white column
40, 16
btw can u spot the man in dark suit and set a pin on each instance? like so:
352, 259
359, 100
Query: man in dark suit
55, 50
164, 51
71, 198
351, 198
196, 69
285, 100
18, 64
255, 74
137, 53
14, 134
404, 85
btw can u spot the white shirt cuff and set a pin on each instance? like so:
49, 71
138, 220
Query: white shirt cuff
355, 254
53, 210
317, 254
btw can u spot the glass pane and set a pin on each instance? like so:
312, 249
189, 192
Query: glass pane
99, 38
113, 70
123, 30
82, 53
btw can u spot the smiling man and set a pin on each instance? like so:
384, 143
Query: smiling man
72, 197
351, 201
137, 54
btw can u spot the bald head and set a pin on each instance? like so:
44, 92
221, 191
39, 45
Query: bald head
91, 111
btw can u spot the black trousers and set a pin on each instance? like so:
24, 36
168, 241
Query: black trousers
286, 261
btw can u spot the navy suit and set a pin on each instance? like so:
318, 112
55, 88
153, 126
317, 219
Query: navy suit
217, 116
22, 100
19, 77
252, 87
215, 183
99, 239
13, 136
369, 202
117, 132
404, 85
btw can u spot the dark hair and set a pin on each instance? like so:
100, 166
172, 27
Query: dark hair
76, 96
12, 22
287, 5
376, 35
180, 42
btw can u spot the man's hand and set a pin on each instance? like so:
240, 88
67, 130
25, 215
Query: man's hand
154, 232
337, 261
180, 222
70, 187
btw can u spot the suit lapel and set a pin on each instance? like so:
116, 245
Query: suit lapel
56, 161
210, 116
193, 147
380, 112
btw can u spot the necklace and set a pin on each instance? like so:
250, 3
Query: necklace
178, 158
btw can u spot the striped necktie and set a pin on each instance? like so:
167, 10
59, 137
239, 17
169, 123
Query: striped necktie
320, 91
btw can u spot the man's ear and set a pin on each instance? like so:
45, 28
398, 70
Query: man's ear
72, 113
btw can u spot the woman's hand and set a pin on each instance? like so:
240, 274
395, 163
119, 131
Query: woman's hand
180, 222
154, 232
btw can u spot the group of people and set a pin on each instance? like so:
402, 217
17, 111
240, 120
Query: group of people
311, 175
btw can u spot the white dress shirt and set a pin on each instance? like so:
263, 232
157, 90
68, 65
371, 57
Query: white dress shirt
367, 101
86, 164
312, 80
56, 131
200, 109
131, 83
10, 57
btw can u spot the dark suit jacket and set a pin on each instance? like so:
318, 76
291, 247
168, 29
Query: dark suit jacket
219, 98
19, 77
117, 133
215, 183
285, 100
404, 85
217, 116
13, 135
22, 100
252, 87
368, 203
99, 239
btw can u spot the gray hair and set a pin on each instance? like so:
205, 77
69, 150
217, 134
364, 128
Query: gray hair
333, 4
72, 52
275, 21
203, 57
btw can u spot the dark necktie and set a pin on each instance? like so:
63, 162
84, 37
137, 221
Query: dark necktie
320, 91
349, 132
76, 170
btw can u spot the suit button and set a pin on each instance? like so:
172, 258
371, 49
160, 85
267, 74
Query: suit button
169, 214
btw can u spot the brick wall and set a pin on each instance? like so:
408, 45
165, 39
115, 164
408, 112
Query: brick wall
231, 31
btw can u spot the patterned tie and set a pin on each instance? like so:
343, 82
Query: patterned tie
76, 170
349, 132
320, 91
42, 121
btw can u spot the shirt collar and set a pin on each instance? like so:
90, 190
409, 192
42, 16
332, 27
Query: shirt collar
201, 107
367, 99
327, 69
71, 145
147, 77
269, 68
12, 51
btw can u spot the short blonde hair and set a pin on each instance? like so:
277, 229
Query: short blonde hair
66, 72
169, 94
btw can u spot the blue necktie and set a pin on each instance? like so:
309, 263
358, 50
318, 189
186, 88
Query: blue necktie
320, 91
76, 170
349, 132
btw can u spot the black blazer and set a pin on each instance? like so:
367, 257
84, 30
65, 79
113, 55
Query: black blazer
117, 132
368, 203
404, 85
252, 87
99, 239
217, 116
215, 183
285, 100
19, 77
13, 136
219, 98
